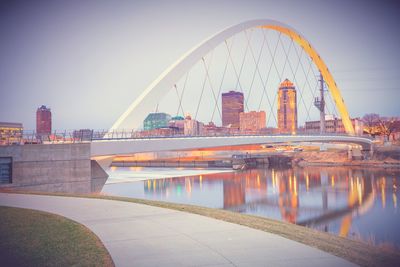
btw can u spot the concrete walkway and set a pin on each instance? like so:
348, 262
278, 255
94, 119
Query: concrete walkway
140, 235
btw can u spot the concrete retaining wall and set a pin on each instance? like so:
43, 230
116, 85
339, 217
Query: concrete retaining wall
52, 167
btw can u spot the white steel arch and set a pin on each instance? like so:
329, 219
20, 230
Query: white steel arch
134, 115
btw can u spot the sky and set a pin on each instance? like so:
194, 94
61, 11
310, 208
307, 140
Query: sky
89, 60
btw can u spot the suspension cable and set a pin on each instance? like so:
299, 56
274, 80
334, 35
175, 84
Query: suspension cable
236, 73
201, 94
307, 82
244, 57
294, 77
221, 83
280, 74
180, 97
211, 86
266, 81
256, 70
204, 83
306, 74
330, 97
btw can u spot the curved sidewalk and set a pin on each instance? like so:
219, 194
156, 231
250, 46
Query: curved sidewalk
141, 235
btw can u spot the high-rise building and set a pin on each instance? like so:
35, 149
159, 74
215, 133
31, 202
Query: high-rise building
287, 108
43, 121
252, 121
232, 105
156, 120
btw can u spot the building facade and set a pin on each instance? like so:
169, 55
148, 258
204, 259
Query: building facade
334, 125
156, 120
43, 121
178, 123
252, 121
192, 127
232, 106
287, 108
10, 133
211, 129
158, 132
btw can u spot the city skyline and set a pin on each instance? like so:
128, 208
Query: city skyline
194, 133
64, 56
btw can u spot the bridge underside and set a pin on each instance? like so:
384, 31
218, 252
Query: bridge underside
132, 146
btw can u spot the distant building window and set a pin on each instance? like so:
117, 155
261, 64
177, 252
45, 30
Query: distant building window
5, 170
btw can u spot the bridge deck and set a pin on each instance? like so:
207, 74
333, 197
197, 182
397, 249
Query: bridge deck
123, 146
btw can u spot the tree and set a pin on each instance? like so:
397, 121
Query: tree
389, 125
371, 124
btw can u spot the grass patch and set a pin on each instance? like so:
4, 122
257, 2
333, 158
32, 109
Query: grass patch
36, 238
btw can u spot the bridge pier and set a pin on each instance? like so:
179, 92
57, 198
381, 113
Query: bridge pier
355, 153
104, 161
368, 153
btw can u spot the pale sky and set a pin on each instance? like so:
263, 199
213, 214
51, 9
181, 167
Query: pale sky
88, 60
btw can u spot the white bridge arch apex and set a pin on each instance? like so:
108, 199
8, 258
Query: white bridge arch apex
134, 115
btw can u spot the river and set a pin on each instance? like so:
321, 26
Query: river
357, 203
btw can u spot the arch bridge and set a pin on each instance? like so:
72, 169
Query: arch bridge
144, 104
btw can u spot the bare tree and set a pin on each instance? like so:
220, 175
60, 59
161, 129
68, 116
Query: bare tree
389, 125
372, 124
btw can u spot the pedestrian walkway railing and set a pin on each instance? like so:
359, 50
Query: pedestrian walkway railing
88, 135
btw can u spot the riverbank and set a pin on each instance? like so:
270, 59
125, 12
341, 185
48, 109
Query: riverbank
383, 158
355, 251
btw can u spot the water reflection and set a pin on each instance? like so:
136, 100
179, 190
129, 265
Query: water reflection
351, 202
87, 186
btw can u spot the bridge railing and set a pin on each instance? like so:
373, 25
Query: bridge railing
59, 136
89, 135
120, 135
